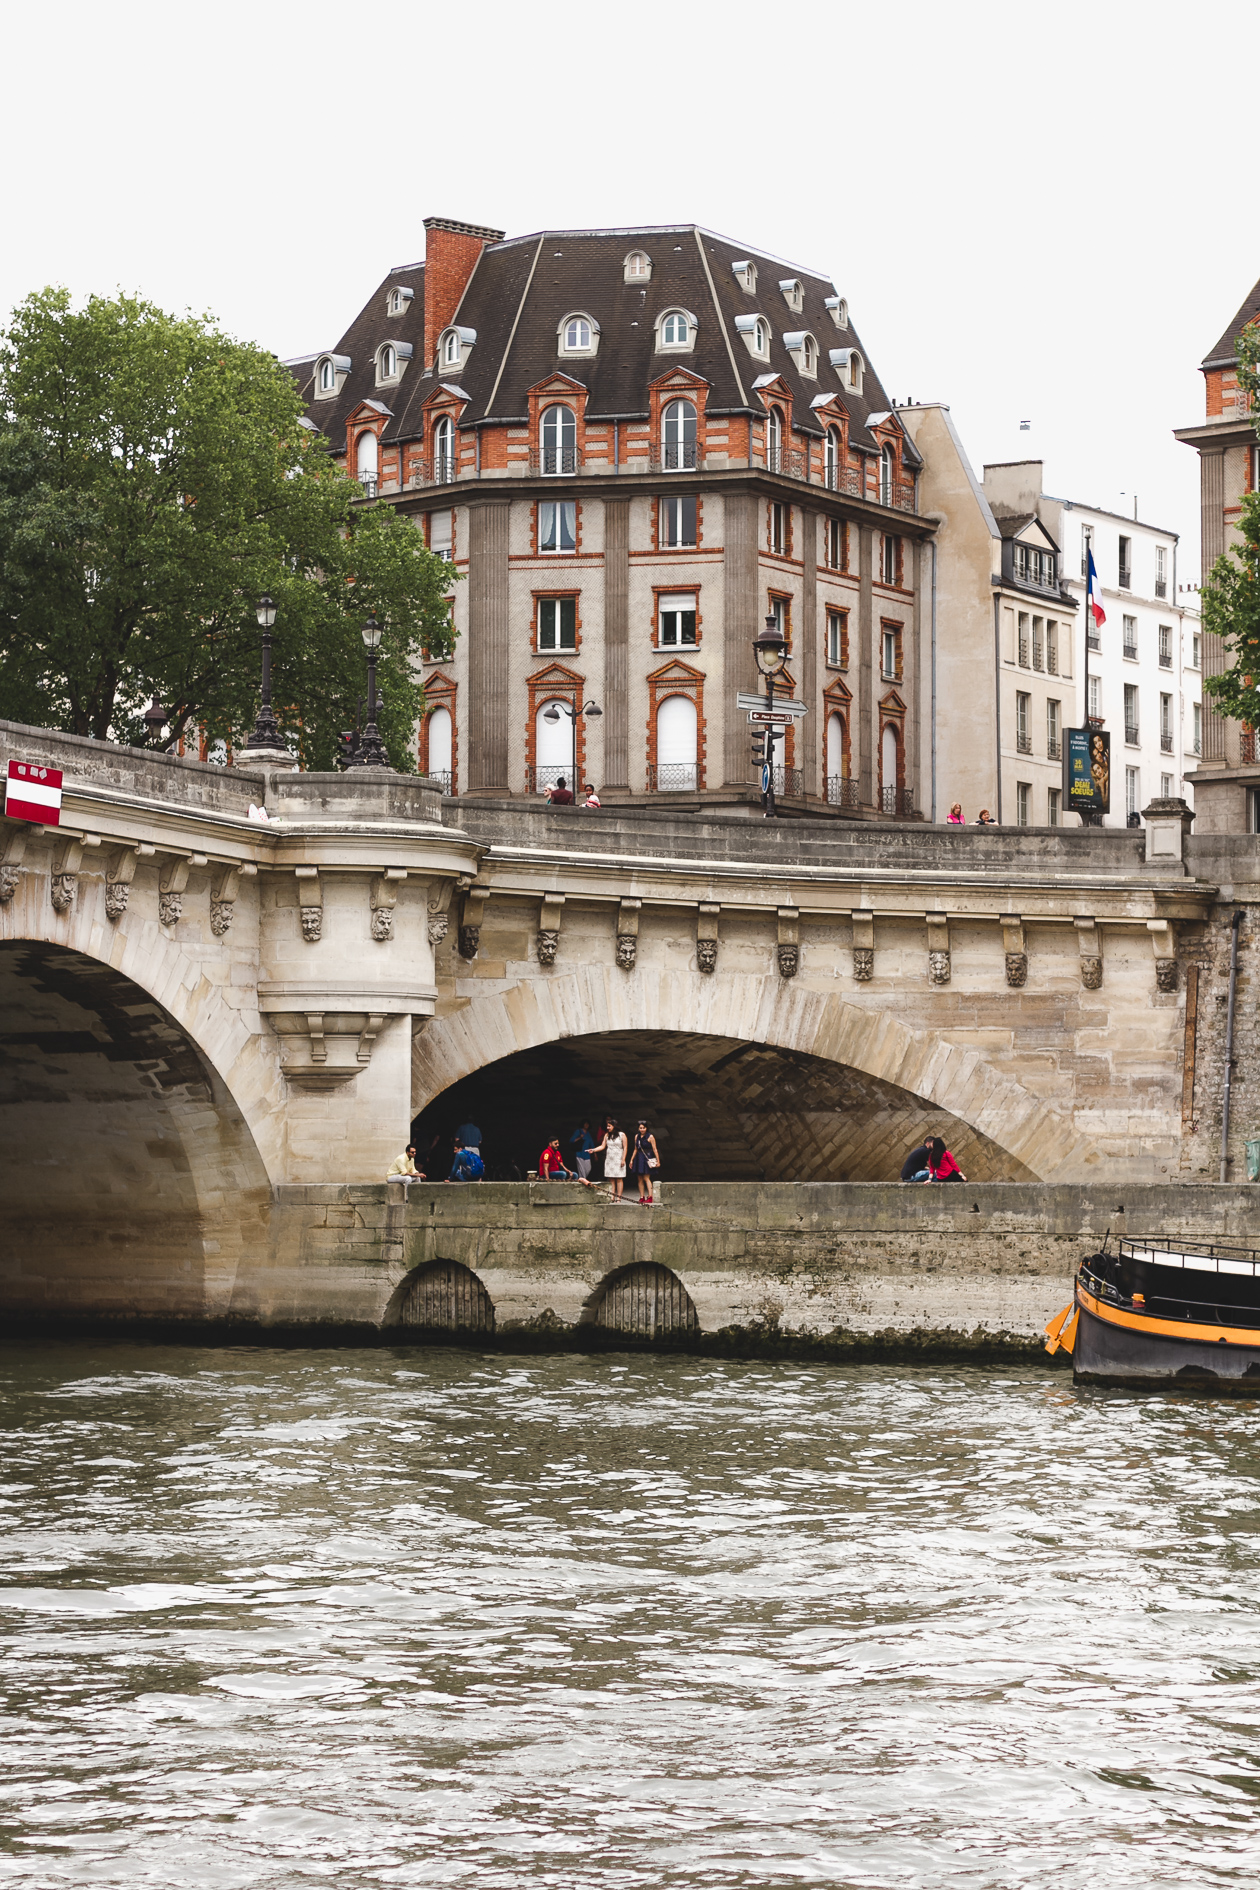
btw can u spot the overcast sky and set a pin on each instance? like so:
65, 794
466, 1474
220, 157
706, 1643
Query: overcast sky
1040, 214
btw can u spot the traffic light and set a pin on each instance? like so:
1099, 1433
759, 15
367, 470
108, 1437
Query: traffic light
347, 742
758, 746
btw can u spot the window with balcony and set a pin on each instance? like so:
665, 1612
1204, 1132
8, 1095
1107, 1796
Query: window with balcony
838, 639
443, 450
1165, 646
1161, 570
1038, 642
440, 732
557, 623
676, 622
559, 440
1166, 724
891, 655
1132, 796
557, 525
1196, 652
1023, 733
1052, 647
892, 558
887, 476
836, 544
779, 529
678, 437
1023, 803
1198, 728
1053, 804
1034, 567
677, 523
677, 746
831, 460
1131, 734
774, 440
1024, 657
367, 460
1130, 638
1054, 731
1126, 564
1095, 700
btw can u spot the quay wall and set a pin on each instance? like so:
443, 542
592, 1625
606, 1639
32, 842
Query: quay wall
966, 1270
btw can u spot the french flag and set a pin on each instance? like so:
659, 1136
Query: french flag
1095, 602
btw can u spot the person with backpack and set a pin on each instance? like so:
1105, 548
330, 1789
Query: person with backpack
468, 1165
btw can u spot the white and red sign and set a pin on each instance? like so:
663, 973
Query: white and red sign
33, 792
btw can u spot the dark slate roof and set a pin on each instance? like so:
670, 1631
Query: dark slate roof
370, 327
1225, 350
522, 289
1011, 524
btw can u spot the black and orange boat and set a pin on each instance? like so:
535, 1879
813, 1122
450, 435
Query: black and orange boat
1164, 1312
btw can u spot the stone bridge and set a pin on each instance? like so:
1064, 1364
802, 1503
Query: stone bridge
206, 1017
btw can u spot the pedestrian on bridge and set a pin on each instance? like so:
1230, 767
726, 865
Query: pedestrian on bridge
613, 1150
403, 1168
646, 1163
956, 816
941, 1164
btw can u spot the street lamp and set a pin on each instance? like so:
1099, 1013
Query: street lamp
770, 652
266, 735
155, 718
371, 750
572, 710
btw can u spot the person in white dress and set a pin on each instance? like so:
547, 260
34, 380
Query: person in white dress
613, 1150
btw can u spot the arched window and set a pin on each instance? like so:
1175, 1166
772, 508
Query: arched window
444, 450
887, 472
678, 436
386, 363
855, 370
761, 338
638, 266
837, 757
450, 349
889, 757
774, 440
327, 378
559, 440
831, 459
809, 355
675, 330
553, 747
366, 460
676, 745
441, 747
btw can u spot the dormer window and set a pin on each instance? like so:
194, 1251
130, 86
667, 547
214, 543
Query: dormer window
756, 334
676, 329
330, 373
397, 300
454, 346
838, 309
638, 266
793, 294
857, 368
849, 366
579, 334
804, 351
745, 274
391, 358
450, 350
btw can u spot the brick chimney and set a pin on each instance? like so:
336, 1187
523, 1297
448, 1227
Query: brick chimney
450, 256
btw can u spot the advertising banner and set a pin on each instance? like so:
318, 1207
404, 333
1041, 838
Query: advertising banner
1086, 771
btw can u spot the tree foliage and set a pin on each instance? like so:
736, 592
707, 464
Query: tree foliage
1231, 597
156, 478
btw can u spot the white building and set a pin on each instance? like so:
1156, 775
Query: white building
1139, 675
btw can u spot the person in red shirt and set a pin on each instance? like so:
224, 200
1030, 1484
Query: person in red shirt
560, 795
551, 1163
941, 1164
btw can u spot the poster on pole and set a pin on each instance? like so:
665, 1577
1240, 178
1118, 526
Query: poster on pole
1086, 771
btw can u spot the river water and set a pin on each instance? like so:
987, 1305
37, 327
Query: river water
279, 1618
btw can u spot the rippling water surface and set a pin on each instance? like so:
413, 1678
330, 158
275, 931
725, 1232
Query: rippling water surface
432, 1617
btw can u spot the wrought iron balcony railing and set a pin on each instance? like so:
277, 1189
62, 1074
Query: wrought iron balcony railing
1165, 659
1161, 587
894, 800
684, 458
843, 479
788, 783
786, 460
537, 780
1054, 748
1023, 742
673, 777
555, 460
841, 791
1166, 742
1131, 735
441, 777
370, 484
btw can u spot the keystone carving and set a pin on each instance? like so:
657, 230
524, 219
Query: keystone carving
476, 899
117, 893
1166, 974
170, 907
8, 883
706, 954
221, 911
548, 943
789, 959
313, 923
863, 963
1017, 968
120, 870
172, 882
310, 904
469, 940
64, 886
1091, 972
223, 884
628, 933
382, 924
707, 937
1090, 941
439, 926
627, 950
384, 899
938, 967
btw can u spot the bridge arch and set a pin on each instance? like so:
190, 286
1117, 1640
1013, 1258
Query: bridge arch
644, 1300
441, 1296
955, 1081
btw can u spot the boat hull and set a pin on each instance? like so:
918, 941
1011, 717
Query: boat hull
1115, 1347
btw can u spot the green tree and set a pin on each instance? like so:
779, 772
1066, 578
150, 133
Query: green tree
156, 478
1231, 597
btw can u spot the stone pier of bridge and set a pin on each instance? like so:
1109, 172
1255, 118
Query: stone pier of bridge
208, 1021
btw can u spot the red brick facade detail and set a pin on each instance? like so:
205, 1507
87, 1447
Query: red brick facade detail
556, 391
450, 256
440, 692
676, 678
678, 383
556, 683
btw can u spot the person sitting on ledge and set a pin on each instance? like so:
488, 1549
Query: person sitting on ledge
403, 1168
551, 1163
468, 1165
915, 1166
941, 1164
560, 795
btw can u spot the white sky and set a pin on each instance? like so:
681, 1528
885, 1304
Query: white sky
1037, 214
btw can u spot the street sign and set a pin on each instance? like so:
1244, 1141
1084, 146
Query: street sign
744, 701
777, 718
33, 793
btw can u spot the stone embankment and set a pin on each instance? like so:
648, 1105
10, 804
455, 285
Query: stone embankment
842, 1271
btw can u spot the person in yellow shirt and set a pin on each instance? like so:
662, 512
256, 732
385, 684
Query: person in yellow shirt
403, 1168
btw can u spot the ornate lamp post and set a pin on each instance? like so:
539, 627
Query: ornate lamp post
770, 652
572, 710
371, 750
155, 719
266, 743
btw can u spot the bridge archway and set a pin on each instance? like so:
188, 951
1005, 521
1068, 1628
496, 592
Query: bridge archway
837, 1059
132, 1183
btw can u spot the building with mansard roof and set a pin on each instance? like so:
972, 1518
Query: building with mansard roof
636, 445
